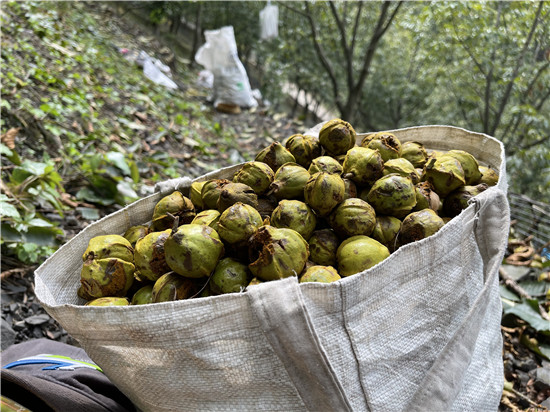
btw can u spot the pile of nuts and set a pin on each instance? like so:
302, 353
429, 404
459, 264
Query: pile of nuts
319, 209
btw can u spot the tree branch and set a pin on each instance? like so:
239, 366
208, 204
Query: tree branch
343, 41
519, 63
381, 27
355, 27
489, 78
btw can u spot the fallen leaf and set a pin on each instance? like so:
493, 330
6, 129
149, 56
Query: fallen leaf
68, 200
8, 138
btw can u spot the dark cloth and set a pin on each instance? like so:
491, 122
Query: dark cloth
55, 388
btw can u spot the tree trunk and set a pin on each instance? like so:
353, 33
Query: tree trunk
196, 34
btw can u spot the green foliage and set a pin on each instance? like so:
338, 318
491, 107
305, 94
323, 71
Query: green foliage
82, 116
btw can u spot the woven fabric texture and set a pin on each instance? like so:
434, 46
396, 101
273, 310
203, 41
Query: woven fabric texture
419, 331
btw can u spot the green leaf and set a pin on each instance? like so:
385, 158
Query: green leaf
10, 234
89, 195
44, 236
528, 311
88, 213
8, 210
126, 190
535, 288
508, 294
119, 161
37, 222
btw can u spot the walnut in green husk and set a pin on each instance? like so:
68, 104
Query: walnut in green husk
362, 165
304, 148
359, 253
419, 225
392, 195
236, 192
289, 182
415, 153
323, 192
170, 207
353, 217
386, 143
230, 276
445, 174
193, 250
238, 223
211, 191
275, 155
295, 215
277, 253
325, 164
108, 269
337, 137
172, 286
108, 301
257, 175
149, 256
323, 245
322, 274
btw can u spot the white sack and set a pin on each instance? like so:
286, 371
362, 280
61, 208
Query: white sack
418, 332
219, 55
269, 20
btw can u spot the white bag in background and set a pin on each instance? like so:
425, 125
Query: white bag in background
219, 55
269, 20
154, 70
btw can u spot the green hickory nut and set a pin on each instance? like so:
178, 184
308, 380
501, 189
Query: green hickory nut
459, 199
426, 197
238, 223
386, 230
211, 191
149, 256
402, 167
193, 250
386, 143
108, 268
321, 274
359, 253
230, 276
488, 176
304, 148
337, 137
392, 195
445, 174
353, 217
277, 253
134, 233
208, 217
143, 295
362, 165
172, 286
469, 164
257, 175
170, 207
289, 182
419, 225
326, 164
275, 155
108, 301
415, 153
236, 192
323, 192
195, 194
323, 245
295, 215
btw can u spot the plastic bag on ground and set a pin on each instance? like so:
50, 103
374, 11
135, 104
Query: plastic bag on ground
219, 55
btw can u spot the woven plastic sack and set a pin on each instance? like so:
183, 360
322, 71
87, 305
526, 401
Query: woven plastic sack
418, 332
